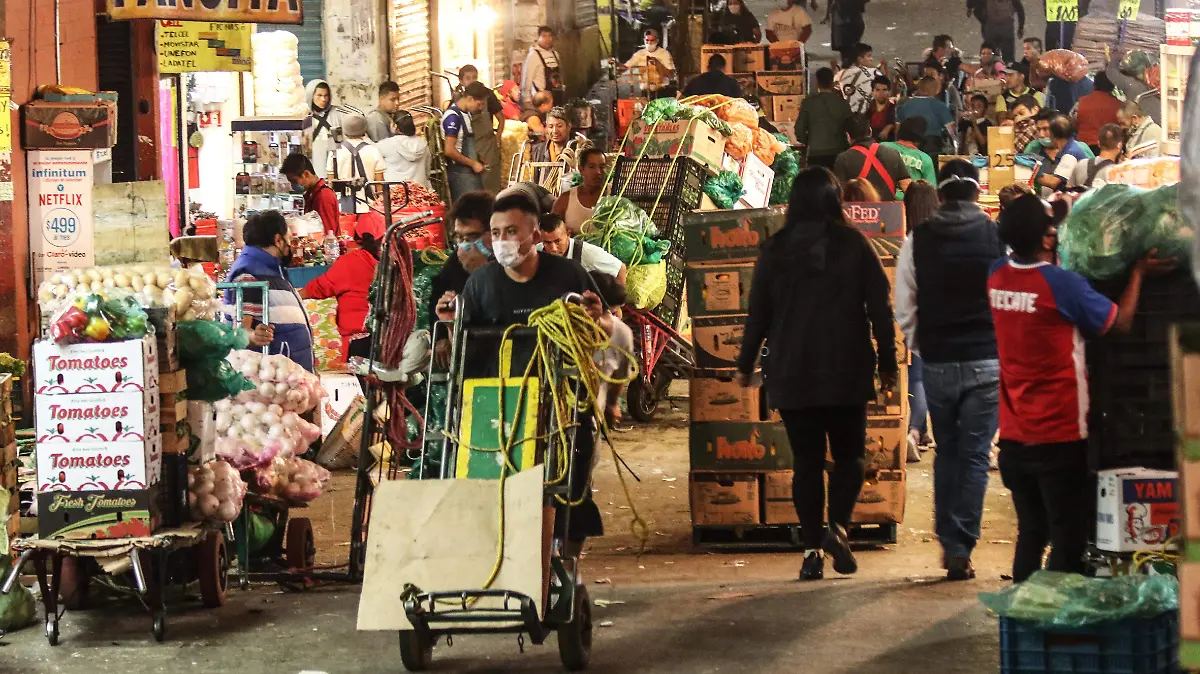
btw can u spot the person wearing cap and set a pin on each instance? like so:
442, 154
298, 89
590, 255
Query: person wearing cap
356, 159
654, 64
942, 308
405, 155
1016, 85
319, 197
1041, 313
266, 252
349, 280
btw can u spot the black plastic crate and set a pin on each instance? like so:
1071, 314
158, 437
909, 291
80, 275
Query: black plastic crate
1129, 376
680, 183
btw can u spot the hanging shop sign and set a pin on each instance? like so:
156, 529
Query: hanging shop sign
203, 46
236, 11
1128, 9
60, 210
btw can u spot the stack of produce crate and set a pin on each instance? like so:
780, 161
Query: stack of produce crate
8, 463
1185, 370
99, 443
781, 89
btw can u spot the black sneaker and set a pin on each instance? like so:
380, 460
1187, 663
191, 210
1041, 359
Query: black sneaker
813, 567
960, 568
837, 544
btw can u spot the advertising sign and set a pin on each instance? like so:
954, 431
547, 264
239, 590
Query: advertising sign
60, 210
237, 11
203, 46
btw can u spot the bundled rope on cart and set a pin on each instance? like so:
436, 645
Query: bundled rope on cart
397, 326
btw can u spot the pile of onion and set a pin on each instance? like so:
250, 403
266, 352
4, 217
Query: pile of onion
251, 434
215, 492
278, 380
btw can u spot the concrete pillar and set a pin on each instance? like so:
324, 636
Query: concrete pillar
356, 50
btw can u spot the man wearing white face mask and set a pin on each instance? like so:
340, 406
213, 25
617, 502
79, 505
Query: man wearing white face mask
505, 292
653, 63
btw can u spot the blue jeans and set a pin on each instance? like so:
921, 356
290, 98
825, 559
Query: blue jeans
964, 407
919, 416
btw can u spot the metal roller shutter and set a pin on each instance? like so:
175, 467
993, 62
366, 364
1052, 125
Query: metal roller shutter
312, 39
411, 53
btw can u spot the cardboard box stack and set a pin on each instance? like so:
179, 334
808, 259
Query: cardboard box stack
11, 518
774, 73
99, 440
1185, 373
733, 439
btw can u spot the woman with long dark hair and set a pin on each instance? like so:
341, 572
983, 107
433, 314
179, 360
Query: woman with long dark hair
349, 280
818, 296
920, 203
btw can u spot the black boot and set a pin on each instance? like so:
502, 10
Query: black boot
960, 568
813, 567
837, 544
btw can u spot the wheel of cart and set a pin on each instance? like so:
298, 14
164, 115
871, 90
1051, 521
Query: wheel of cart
138, 567
538, 445
663, 356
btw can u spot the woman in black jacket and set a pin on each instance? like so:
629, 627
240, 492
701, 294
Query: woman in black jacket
818, 295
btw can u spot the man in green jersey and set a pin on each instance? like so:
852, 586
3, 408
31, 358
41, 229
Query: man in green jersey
919, 165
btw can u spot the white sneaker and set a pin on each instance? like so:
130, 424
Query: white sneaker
914, 454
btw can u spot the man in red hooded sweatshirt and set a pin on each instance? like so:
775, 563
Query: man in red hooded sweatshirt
318, 196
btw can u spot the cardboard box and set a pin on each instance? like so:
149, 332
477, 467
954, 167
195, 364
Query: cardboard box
749, 58
885, 444
1136, 509
757, 180
718, 340
729, 236
724, 498
718, 289
739, 446
96, 417
785, 108
172, 384
108, 367
722, 399
748, 82
99, 514
341, 390
693, 139
170, 414
780, 83
785, 55
778, 507
8, 466
50, 125
113, 466
1189, 599
890, 404
882, 498
724, 50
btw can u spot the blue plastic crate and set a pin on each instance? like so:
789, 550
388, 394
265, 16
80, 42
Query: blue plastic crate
1131, 646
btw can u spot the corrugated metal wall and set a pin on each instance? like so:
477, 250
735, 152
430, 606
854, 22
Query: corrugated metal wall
311, 37
410, 40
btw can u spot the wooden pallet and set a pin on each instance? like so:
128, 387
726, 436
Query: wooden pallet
781, 536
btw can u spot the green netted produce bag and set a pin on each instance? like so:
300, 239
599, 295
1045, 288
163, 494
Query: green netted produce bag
17, 608
1110, 228
786, 167
207, 340
1053, 599
422, 288
435, 423
646, 285
620, 227
724, 189
213, 379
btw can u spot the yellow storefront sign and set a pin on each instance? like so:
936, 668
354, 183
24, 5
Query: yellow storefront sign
203, 46
5, 97
236, 11
1062, 10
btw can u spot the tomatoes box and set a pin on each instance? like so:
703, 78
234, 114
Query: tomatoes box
86, 466
105, 367
96, 417
74, 515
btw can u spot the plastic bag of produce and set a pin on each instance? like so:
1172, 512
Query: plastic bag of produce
724, 189
278, 380
661, 110
297, 481
1063, 64
213, 379
646, 285
200, 340
190, 291
1110, 228
786, 167
1053, 599
105, 316
215, 492
738, 111
767, 146
253, 433
620, 227
17, 608
740, 143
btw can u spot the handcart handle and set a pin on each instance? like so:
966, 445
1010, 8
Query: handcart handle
573, 298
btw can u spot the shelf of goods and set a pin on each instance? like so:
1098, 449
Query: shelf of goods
260, 146
1175, 66
740, 457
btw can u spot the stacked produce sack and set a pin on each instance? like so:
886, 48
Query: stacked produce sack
278, 87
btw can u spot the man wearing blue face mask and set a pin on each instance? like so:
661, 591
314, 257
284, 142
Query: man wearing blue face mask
470, 217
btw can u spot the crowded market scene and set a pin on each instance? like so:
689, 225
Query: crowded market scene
842, 336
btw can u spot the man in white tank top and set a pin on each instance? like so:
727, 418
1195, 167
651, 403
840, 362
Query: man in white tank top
575, 205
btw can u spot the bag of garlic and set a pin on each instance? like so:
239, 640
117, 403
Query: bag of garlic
215, 492
278, 380
190, 291
296, 481
252, 434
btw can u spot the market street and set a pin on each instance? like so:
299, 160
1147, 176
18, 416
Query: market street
685, 610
